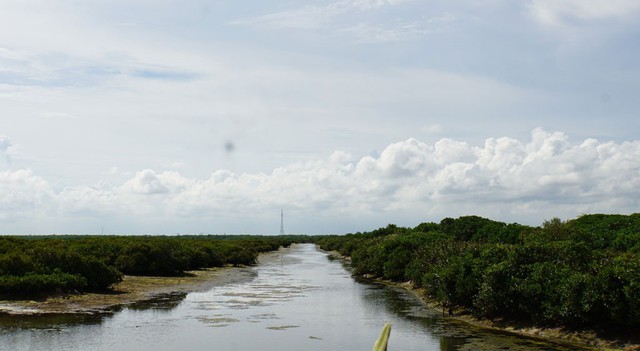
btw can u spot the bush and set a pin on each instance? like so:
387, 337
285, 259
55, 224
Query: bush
34, 283
35, 265
584, 272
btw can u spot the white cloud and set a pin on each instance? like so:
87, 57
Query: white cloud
505, 179
585, 22
562, 13
316, 16
373, 4
92, 201
308, 17
24, 197
148, 182
87, 86
371, 33
330, 17
399, 30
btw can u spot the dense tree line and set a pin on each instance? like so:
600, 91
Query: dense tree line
583, 272
32, 265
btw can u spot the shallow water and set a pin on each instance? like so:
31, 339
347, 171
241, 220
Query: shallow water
298, 299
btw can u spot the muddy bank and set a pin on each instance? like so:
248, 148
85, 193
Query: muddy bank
136, 289
588, 340
131, 290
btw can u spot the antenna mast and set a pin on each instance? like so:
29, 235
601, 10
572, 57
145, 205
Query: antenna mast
281, 222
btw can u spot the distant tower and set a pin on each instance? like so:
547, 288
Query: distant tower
281, 222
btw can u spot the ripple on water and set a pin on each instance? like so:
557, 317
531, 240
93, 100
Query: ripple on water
262, 317
217, 320
283, 327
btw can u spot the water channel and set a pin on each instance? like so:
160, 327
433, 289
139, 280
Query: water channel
295, 299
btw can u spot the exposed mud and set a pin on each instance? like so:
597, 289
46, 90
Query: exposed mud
132, 291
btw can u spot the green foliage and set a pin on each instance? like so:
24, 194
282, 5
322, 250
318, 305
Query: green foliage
50, 264
582, 272
607, 231
16, 264
478, 229
34, 283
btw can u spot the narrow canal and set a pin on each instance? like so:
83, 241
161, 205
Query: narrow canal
295, 299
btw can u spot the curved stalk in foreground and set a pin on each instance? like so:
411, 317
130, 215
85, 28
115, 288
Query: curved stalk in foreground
381, 343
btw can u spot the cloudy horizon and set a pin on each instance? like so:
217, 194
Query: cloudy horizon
408, 183
165, 117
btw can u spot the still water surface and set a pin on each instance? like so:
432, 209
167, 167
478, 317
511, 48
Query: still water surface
295, 299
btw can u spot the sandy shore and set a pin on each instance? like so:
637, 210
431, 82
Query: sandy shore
132, 289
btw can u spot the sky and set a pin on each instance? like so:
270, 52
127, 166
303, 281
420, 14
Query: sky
210, 116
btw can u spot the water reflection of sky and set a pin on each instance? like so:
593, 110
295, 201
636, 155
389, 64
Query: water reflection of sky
297, 300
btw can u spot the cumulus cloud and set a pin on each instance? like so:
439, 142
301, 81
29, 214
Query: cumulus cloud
504, 178
24, 196
548, 169
148, 182
92, 201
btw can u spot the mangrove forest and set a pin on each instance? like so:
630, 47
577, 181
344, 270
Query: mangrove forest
580, 273
45, 265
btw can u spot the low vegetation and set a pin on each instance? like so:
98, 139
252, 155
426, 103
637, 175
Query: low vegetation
43, 265
582, 273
